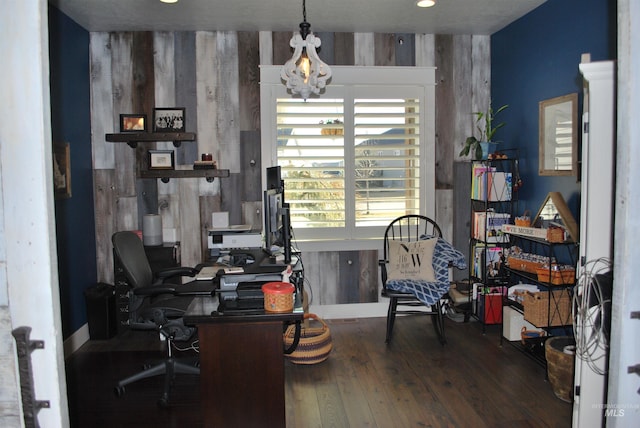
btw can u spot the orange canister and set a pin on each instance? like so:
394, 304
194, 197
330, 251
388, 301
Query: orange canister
278, 297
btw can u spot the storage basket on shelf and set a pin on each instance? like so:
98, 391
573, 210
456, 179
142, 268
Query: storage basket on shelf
542, 313
555, 234
557, 275
525, 265
315, 342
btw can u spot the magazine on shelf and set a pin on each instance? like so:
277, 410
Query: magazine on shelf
488, 226
488, 261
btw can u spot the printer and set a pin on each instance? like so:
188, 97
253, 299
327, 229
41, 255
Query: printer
229, 283
224, 239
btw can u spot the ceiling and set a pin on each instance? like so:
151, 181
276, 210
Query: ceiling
377, 16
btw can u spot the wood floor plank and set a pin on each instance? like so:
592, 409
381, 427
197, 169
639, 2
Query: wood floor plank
472, 381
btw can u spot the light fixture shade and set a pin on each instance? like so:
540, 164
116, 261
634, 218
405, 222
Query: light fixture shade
305, 76
426, 3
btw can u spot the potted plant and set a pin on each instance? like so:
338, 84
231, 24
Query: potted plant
485, 124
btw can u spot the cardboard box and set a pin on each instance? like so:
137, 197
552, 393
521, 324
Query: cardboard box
513, 321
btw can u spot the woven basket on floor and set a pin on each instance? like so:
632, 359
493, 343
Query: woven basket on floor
315, 342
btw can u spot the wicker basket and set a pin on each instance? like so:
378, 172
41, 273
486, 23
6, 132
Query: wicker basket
523, 265
315, 342
542, 313
565, 276
524, 220
555, 234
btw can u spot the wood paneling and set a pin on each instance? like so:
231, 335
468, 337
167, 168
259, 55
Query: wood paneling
343, 44
385, 49
122, 83
337, 277
187, 93
249, 80
214, 75
104, 197
101, 100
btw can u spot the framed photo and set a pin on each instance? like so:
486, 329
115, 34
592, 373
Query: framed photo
133, 123
168, 119
161, 159
61, 171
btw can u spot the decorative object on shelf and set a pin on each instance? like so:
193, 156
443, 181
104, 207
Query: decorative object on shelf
555, 212
205, 164
337, 130
479, 148
557, 274
305, 73
133, 123
62, 170
558, 136
169, 119
161, 159
524, 219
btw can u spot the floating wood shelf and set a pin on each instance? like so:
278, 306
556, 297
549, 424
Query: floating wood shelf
166, 175
133, 138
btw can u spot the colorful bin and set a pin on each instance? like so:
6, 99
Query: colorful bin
278, 297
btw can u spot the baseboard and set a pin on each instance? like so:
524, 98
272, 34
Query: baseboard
351, 310
76, 340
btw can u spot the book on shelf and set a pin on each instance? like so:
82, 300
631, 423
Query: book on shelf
490, 185
488, 226
488, 261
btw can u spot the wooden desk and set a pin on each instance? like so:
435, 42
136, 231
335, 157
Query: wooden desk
241, 366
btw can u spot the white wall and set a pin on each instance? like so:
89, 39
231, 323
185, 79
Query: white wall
27, 198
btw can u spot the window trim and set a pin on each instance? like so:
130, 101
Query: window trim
271, 88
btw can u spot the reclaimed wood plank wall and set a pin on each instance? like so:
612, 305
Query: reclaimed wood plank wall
215, 76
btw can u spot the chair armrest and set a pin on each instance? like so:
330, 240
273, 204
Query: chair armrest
176, 271
153, 290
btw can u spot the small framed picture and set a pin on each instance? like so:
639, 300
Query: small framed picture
133, 123
161, 159
168, 119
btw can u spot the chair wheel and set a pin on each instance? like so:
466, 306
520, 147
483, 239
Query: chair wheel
118, 390
163, 402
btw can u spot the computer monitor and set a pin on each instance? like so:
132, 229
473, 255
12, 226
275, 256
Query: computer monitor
272, 218
277, 223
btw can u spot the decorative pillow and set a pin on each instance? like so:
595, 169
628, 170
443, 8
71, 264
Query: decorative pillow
412, 260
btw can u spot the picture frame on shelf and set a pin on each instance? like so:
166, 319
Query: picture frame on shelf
133, 123
161, 160
168, 119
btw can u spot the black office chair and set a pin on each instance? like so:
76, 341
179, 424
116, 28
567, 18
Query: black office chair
157, 305
409, 228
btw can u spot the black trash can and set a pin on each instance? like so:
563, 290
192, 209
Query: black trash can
101, 311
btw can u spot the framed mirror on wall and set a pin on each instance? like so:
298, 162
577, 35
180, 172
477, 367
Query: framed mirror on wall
558, 136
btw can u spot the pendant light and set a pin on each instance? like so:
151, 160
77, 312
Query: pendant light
305, 73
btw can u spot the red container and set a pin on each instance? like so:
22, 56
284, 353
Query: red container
278, 297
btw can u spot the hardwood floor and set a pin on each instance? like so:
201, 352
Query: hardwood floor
413, 382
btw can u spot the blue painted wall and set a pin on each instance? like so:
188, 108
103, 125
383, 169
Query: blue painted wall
70, 122
536, 58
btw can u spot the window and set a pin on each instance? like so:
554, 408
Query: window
356, 157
